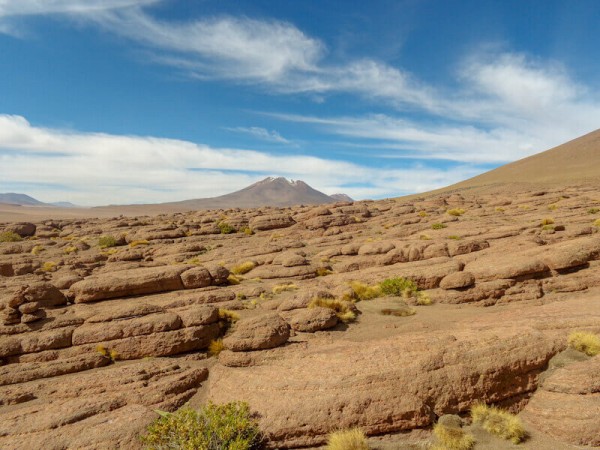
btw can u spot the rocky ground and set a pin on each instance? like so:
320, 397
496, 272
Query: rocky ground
94, 338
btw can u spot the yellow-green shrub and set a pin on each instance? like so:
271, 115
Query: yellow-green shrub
499, 422
400, 287
107, 242
363, 291
456, 212
138, 243
547, 221
229, 426
588, 343
351, 439
243, 268
452, 438
215, 347
342, 309
278, 289
9, 236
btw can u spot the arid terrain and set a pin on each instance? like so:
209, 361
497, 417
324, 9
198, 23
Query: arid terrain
105, 320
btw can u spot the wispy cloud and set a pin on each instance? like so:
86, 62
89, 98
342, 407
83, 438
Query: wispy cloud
97, 168
260, 133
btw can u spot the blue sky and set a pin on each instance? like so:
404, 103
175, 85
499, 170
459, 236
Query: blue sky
125, 101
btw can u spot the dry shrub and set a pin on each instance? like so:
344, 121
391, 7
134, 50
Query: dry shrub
499, 422
49, 266
351, 439
107, 242
138, 243
363, 291
588, 343
438, 226
323, 271
452, 438
233, 280
9, 236
228, 315
37, 250
547, 221
400, 287
243, 268
69, 250
284, 287
424, 299
215, 347
341, 307
597, 223
456, 212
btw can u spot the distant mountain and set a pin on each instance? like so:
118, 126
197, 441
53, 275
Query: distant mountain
19, 199
342, 198
268, 192
63, 204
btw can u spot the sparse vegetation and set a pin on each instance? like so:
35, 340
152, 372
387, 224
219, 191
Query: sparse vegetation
499, 422
438, 226
243, 268
107, 242
455, 237
593, 210
233, 280
225, 228
323, 271
452, 438
597, 222
341, 307
69, 250
247, 231
588, 343
215, 347
37, 250
351, 439
48, 266
278, 289
228, 315
229, 426
113, 355
399, 312
424, 299
423, 214
400, 287
456, 212
138, 243
499, 209
363, 291
547, 221
425, 237
9, 236
553, 207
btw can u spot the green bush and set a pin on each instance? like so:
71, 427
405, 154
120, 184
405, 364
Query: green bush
229, 426
9, 236
107, 242
438, 226
400, 287
226, 228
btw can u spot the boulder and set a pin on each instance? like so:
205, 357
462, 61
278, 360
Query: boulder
198, 277
258, 333
457, 280
271, 222
23, 229
312, 319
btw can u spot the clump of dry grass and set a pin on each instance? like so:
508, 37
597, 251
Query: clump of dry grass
228, 315
499, 422
49, 266
323, 271
69, 250
215, 347
243, 268
424, 299
597, 223
351, 439
438, 226
37, 250
363, 291
138, 243
284, 287
233, 280
452, 438
10, 236
456, 212
588, 343
547, 221
341, 308
400, 287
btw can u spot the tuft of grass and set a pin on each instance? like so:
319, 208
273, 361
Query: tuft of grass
228, 315
138, 243
588, 343
48, 266
107, 242
323, 271
398, 312
499, 209
113, 355
424, 299
400, 287
233, 280
547, 221
341, 308
593, 210
452, 438
350, 439
225, 228
69, 250
456, 212
102, 350
455, 237
215, 347
425, 237
10, 236
247, 231
597, 222
37, 250
499, 422
438, 226
423, 214
363, 291
278, 289
243, 268
230, 426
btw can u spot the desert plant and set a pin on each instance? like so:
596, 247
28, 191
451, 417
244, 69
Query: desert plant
233, 280
278, 289
341, 308
423, 214
553, 207
102, 350
400, 287
228, 315
48, 266
323, 271
229, 426
593, 210
10, 236
398, 312
456, 212
455, 237
597, 223
547, 221
37, 250
423, 299
69, 250
438, 226
588, 343
425, 237
498, 422
499, 209
363, 291
107, 242
452, 438
243, 268
247, 231
225, 228
215, 347
138, 243
350, 439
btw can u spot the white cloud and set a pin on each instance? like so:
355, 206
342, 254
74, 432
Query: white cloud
260, 133
96, 168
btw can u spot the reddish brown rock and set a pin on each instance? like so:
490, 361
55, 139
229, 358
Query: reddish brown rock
198, 277
312, 319
457, 280
258, 333
265, 223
